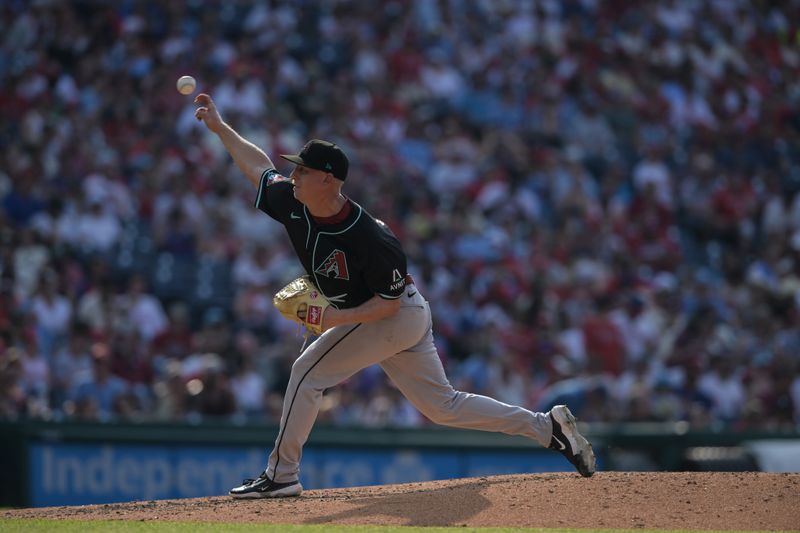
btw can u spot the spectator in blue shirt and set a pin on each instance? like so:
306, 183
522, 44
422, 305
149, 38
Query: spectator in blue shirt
103, 388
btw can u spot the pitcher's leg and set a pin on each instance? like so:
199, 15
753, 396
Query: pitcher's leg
334, 357
301, 403
421, 378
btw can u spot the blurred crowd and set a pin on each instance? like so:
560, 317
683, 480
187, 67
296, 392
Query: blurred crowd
600, 199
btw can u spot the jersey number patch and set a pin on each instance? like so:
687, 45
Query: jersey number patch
335, 266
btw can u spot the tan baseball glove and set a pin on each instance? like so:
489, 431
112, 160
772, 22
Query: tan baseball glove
302, 302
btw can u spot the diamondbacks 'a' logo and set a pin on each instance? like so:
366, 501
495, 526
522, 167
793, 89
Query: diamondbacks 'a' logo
335, 266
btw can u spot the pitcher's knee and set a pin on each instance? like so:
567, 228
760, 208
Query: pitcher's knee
300, 367
442, 412
444, 418
310, 376
300, 377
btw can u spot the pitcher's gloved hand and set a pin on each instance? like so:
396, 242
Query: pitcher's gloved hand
302, 302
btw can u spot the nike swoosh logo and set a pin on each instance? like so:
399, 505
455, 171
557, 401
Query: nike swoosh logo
410, 294
295, 217
563, 446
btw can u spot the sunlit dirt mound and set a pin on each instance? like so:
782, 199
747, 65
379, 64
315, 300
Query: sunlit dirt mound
684, 500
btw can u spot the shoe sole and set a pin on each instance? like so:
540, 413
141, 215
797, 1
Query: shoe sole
285, 492
584, 447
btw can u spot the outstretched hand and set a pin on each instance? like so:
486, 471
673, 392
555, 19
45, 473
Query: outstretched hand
207, 112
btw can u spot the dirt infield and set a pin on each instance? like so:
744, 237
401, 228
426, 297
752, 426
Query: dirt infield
684, 500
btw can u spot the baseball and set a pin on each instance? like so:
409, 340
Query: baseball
186, 85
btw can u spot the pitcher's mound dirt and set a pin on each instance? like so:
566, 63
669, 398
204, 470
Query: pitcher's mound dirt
682, 500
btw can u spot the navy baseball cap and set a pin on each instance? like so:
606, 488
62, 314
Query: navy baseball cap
321, 155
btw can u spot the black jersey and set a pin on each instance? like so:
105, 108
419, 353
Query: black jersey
350, 261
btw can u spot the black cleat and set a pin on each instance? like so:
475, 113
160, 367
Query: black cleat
567, 440
264, 487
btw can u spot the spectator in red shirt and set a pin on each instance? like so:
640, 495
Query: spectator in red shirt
603, 339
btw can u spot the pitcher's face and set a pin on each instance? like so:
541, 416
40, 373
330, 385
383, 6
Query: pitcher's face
309, 184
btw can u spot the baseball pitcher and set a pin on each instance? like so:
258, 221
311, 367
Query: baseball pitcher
358, 297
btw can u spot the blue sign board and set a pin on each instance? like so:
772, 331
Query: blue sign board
79, 474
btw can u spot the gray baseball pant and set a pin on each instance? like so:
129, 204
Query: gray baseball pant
403, 345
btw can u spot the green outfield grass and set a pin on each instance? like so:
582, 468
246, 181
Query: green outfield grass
79, 526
